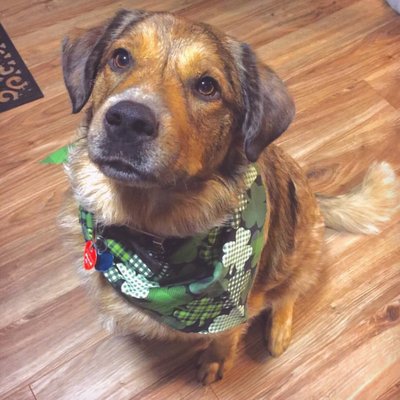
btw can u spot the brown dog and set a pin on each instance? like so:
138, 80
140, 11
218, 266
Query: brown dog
178, 112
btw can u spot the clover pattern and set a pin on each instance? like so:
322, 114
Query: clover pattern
254, 214
238, 252
237, 284
135, 285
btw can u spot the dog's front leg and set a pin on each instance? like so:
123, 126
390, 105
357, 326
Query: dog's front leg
279, 331
219, 356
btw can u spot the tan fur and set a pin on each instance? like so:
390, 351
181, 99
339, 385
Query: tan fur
368, 206
195, 138
158, 211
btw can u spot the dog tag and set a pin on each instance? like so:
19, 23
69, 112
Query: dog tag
104, 261
89, 255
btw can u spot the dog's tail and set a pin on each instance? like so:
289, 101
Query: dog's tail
367, 206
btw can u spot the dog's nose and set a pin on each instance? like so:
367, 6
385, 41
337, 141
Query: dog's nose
130, 120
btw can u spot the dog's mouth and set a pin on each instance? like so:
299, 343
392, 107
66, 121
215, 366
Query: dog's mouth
120, 166
122, 171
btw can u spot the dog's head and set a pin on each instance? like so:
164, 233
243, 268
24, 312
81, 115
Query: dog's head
171, 100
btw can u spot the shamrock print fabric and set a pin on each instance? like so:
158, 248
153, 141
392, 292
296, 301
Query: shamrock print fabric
201, 283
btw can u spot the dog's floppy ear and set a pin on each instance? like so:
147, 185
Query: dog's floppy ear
81, 56
269, 108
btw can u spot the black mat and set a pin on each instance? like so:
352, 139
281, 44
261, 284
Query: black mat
17, 85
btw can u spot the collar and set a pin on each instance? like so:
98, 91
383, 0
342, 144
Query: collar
198, 284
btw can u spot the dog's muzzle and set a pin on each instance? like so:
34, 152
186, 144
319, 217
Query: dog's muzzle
129, 128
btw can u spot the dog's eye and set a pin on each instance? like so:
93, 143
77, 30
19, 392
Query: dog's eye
207, 87
120, 60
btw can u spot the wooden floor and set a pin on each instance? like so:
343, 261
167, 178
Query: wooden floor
341, 60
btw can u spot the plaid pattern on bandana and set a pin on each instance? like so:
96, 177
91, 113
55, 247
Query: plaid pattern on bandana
226, 259
199, 310
117, 249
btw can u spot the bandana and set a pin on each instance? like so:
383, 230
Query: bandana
198, 284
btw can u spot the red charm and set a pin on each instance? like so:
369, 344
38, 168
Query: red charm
89, 255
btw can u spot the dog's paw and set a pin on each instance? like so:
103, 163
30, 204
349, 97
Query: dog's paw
212, 367
210, 372
279, 337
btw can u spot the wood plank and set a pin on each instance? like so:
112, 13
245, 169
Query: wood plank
263, 21
46, 338
42, 274
336, 155
362, 60
172, 388
386, 81
351, 112
47, 16
360, 362
327, 39
392, 393
23, 393
119, 367
378, 388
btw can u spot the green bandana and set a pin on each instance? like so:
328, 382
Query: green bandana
198, 284
59, 156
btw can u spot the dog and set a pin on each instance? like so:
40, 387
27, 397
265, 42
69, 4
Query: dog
177, 143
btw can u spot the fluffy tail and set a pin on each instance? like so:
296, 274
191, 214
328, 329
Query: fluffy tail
366, 207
